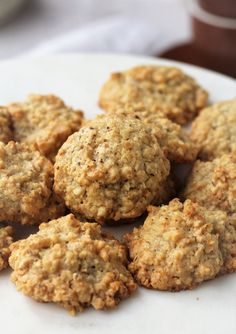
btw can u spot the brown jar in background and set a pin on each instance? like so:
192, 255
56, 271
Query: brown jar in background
214, 36
213, 44
226, 8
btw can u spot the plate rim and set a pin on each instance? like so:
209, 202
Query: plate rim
142, 58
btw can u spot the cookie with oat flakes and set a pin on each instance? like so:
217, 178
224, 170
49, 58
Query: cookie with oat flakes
158, 88
173, 139
44, 120
177, 248
214, 130
6, 133
26, 186
72, 264
111, 169
5, 242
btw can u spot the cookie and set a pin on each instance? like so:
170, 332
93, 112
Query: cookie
213, 184
26, 186
177, 248
111, 169
72, 264
44, 121
158, 88
226, 229
214, 130
5, 242
174, 140
6, 133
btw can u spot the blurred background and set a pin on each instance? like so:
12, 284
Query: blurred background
201, 32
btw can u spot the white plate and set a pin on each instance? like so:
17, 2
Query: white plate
211, 308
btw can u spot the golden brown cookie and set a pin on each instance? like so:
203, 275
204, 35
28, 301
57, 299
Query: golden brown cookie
6, 133
5, 242
26, 186
213, 184
111, 169
214, 130
177, 247
174, 140
44, 121
159, 88
226, 229
73, 264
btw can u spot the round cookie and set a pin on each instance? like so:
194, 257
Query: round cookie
73, 264
44, 121
26, 186
174, 140
5, 242
6, 133
111, 169
158, 88
177, 247
213, 184
214, 130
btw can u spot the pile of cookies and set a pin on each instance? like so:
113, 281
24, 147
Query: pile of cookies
70, 176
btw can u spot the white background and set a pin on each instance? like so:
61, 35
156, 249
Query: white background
127, 26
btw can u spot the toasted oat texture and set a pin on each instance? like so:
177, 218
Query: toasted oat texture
73, 264
158, 88
214, 130
5, 241
225, 226
177, 247
6, 133
213, 184
174, 140
44, 121
111, 169
26, 186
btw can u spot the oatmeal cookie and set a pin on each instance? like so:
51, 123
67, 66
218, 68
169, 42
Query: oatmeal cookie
6, 133
214, 130
177, 247
26, 186
5, 242
174, 140
158, 88
226, 229
73, 264
213, 184
111, 169
44, 121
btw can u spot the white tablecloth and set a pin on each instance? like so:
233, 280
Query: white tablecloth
125, 26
